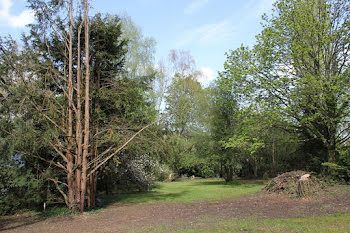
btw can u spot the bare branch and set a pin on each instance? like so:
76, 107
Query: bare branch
60, 190
125, 144
50, 162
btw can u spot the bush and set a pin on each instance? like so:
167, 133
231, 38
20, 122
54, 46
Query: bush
206, 171
162, 172
19, 189
138, 170
337, 172
193, 165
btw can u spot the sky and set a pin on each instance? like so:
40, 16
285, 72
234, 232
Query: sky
206, 28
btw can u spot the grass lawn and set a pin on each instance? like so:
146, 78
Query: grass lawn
240, 215
336, 223
181, 190
186, 190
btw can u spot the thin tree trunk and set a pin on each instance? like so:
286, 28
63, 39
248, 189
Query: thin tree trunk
255, 169
273, 156
70, 172
94, 154
88, 192
70, 180
91, 195
87, 111
331, 154
331, 147
79, 137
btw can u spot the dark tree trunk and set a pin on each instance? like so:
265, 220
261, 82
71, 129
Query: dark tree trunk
228, 173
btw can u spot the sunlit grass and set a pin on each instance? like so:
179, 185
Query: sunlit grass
189, 191
335, 223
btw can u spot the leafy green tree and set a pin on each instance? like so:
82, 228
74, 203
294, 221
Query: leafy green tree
299, 67
21, 176
185, 102
139, 60
182, 103
223, 121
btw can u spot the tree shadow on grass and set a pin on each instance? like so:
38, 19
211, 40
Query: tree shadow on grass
12, 222
141, 197
8, 223
232, 183
218, 182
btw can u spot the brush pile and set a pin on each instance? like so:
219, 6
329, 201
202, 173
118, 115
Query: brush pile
295, 183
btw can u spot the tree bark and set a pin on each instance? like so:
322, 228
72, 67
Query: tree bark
70, 181
273, 158
70, 172
331, 154
79, 139
86, 111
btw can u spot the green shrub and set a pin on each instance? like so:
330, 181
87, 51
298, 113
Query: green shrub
337, 172
19, 189
162, 172
206, 171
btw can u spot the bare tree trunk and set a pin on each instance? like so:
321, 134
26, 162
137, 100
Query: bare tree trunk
228, 173
79, 137
88, 192
91, 194
94, 188
87, 111
94, 141
273, 156
70, 180
255, 169
70, 172
92, 179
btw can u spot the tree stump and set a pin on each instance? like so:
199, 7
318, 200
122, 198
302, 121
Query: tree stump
303, 185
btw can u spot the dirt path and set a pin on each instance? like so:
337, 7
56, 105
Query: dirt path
119, 218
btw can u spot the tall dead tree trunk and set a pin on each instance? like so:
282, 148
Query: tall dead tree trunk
94, 139
79, 136
70, 162
86, 111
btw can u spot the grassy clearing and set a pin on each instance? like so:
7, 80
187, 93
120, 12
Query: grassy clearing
336, 223
186, 190
182, 190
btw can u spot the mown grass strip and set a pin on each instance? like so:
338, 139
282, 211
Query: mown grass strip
189, 191
336, 223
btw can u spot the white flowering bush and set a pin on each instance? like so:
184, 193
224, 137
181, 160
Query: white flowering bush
163, 172
138, 170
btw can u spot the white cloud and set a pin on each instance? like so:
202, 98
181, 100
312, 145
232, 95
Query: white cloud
194, 6
208, 34
207, 75
24, 18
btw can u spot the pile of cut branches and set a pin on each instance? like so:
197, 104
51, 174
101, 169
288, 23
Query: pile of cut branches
295, 183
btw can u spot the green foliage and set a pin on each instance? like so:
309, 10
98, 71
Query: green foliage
33, 100
337, 172
295, 80
19, 187
163, 173
141, 49
182, 103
